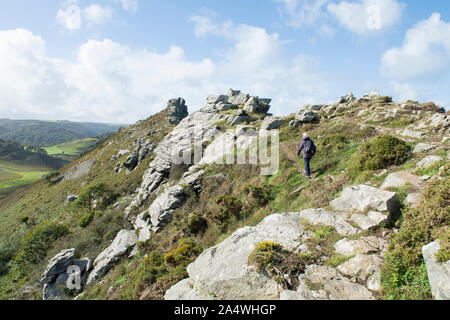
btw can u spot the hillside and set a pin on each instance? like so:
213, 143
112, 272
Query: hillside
14, 153
73, 149
48, 133
370, 224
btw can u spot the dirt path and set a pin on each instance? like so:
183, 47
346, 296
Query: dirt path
291, 156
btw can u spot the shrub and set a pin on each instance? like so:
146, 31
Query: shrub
229, 207
277, 262
334, 141
51, 178
185, 253
404, 274
380, 153
99, 192
36, 244
196, 223
258, 196
86, 219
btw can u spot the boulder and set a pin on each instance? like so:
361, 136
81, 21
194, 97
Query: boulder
362, 266
438, 273
365, 245
124, 240
57, 265
424, 147
306, 115
222, 272
270, 123
213, 99
428, 161
363, 198
332, 219
370, 220
256, 105
52, 292
412, 133
71, 198
401, 178
334, 284
413, 199
184, 290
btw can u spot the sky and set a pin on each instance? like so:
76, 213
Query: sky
120, 61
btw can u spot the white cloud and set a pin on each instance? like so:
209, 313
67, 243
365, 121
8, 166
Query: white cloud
96, 14
70, 16
425, 51
205, 26
130, 5
302, 12
111, 82
404, 91
365, 16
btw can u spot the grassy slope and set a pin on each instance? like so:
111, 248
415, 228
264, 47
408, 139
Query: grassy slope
73, 149
131, 277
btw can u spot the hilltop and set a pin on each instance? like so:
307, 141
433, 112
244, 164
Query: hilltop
371, 224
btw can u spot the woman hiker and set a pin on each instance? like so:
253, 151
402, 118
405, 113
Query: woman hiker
309, 150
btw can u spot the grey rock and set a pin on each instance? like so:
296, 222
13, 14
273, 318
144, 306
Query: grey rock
213, 99
362, 266
57, 265
185, 290
270, 123
365, 245
332, 219
438, 273
424, 147
400, 178
363, 198
428, 161
178, 110
71, 198
124, 240
370, 220
306, 115
52, 292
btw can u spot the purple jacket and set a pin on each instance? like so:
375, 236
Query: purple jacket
306, 155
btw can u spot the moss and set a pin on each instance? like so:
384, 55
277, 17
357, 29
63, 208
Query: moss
403, 273
379, 153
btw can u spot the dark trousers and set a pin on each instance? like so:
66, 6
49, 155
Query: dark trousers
307, 168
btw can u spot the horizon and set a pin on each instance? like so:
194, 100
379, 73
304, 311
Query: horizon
106, 60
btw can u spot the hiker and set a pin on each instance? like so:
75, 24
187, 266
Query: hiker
309, 150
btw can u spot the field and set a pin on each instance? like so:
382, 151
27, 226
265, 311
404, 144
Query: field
71, 150
14, 175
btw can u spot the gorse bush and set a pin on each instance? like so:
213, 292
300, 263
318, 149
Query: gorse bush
36, 244
379, 153
185, 253
100, 192
86, 219
404, 274
229, 207
277, 262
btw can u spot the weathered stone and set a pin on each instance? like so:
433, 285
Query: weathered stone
332, 219
423, 147
363, 198
399, 179
428, 161
369, 220
370, 244
185, 290
334, 284
222, 271
412, 133
213, 99
124, 240
306, 115
361, 266
270, 123
57, 265
438, 273
71, 198
52, 292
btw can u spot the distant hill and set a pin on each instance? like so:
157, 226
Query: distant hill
48, 133
13, 152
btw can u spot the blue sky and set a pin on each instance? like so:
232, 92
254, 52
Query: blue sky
121, 60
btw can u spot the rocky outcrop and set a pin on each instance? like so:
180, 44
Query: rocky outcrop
363, 198
160, 212
143, 148
178, 110
56, 275
199, 127
424, 147
438, 273
271, 123
124, 241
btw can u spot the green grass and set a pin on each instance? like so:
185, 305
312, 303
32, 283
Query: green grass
72, 149
13, 175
